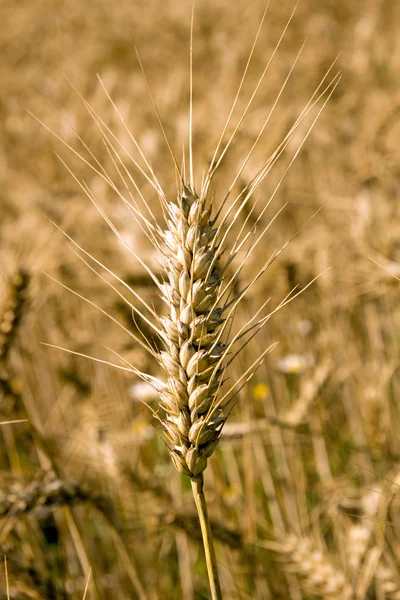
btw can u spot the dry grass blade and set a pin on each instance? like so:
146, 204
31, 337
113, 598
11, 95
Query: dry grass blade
87, 584
6, 575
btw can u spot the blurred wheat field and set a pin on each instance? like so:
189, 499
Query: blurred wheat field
304, 487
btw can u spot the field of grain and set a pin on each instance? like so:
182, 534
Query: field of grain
303, 489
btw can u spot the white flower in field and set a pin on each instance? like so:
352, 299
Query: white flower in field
295, 363
142, 391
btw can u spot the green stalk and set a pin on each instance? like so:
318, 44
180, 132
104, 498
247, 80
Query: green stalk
199, 498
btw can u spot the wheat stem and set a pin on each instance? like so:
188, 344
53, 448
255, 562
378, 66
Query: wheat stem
201, 505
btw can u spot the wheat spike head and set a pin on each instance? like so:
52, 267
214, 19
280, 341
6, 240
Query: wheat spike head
195, 331
193, 359
198, 288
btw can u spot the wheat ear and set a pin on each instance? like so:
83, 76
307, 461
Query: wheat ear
13, 311
193, 357
316, 574
10, 320
47, 490
198, 345
194, 352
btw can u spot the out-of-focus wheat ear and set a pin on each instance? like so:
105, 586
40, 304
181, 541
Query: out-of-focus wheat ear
46, 491
10, 387
316, 574
12, 311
